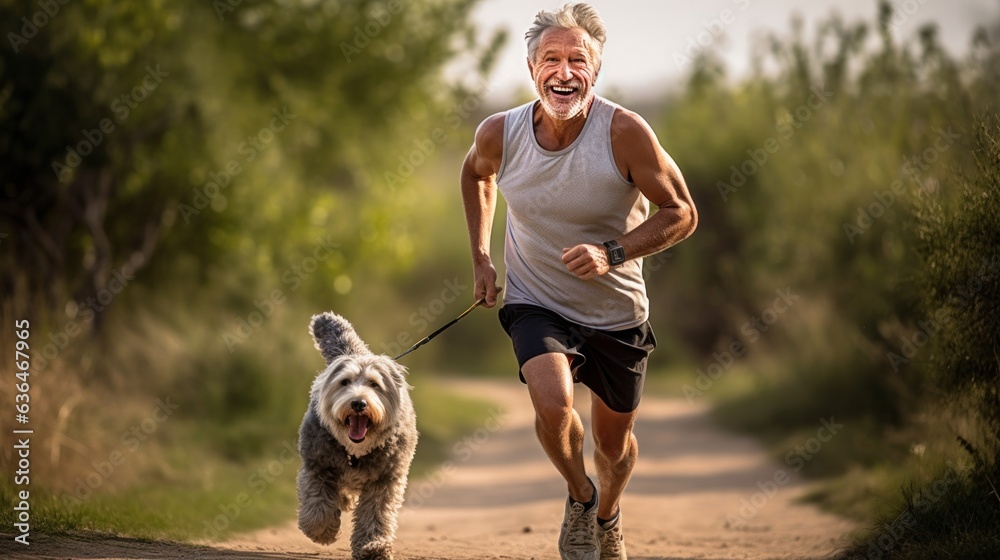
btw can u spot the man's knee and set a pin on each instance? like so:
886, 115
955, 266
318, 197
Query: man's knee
553, 412
615, 445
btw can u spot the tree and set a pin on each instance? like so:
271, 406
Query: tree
125, 126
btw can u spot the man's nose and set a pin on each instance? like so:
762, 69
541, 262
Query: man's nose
563, 72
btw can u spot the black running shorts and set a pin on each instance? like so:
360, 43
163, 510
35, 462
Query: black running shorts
612, 364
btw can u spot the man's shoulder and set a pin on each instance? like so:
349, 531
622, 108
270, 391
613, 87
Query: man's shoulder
629, 126
489, 137
493, 125
627, 119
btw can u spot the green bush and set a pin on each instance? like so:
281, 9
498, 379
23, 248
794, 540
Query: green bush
866, 180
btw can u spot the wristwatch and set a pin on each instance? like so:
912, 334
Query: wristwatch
616, 253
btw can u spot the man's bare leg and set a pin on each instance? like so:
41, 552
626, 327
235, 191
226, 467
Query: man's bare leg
615, 454
557, 424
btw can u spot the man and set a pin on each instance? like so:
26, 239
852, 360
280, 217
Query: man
577, 173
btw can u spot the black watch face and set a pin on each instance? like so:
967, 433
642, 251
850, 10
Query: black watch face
617, 255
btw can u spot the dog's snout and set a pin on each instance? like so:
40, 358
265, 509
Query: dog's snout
359, 405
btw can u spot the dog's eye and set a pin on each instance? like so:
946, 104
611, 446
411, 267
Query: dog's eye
345, 382
374, 384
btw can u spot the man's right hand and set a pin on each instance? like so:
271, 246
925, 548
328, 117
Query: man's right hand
486, 283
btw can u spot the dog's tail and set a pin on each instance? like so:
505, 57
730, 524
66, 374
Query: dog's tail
335, 336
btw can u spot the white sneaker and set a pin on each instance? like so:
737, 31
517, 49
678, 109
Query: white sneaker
578, 537
611, 539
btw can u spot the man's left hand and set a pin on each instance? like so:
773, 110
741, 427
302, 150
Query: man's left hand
586, 261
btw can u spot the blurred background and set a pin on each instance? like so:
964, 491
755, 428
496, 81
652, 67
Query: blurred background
183, 184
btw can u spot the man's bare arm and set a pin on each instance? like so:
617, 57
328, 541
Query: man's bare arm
478, 183
657, 177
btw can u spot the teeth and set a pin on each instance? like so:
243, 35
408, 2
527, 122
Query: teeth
559, 89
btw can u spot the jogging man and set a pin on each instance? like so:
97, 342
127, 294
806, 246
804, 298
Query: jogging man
578, 173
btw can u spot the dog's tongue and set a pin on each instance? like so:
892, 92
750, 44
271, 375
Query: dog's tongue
357, 427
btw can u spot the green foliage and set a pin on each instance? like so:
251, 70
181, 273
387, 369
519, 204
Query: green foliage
951, 516
959, 233
49, 514
877, 202
958, 227
237, 188
147, 187
808, 176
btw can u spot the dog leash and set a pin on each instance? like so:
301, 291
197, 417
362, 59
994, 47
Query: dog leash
428, 338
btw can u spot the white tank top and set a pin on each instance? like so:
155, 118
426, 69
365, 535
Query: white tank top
562, 199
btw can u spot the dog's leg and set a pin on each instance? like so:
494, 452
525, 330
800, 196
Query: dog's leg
319, 506
377, 517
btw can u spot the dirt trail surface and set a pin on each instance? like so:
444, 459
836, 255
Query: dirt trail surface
499, 497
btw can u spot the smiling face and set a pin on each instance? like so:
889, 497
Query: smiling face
564, 70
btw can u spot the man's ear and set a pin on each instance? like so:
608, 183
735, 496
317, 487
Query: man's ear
531, 68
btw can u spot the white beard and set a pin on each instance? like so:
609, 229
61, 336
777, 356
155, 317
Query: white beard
562, 112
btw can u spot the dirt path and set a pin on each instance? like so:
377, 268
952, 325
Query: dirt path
500, 498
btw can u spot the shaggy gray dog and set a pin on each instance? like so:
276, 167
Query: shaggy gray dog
357, 440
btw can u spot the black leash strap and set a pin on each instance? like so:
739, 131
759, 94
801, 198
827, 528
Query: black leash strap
428, 338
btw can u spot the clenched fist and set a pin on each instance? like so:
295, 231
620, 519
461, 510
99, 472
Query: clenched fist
586, 261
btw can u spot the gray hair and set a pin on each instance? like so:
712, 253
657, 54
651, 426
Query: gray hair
570, 16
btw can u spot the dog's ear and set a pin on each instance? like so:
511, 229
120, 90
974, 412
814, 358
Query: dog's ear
335, 336
399, 374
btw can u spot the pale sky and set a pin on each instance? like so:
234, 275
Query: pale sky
645, 36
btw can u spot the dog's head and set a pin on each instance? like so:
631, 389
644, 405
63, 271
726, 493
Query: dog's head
358, 396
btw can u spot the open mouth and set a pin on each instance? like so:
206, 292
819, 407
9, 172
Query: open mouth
563, 92
357, 427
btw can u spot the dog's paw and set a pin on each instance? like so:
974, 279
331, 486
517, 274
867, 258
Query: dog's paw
373, 551
321, 533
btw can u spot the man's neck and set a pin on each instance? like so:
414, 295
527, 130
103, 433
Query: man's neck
554, 134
